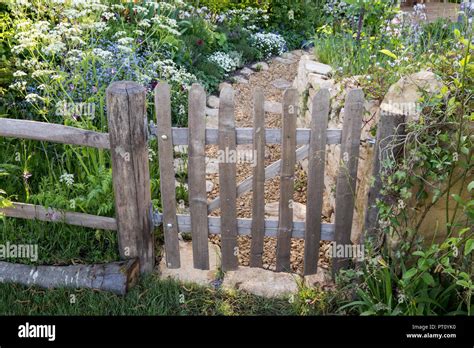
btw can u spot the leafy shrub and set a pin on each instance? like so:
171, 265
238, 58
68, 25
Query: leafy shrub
296, 20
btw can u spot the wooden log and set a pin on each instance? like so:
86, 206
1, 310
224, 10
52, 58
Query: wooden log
167, 174
227, 181
258, 185
126, 112
56, 133
245, 136
197, 176
287, 180
347, 174
116, 277
389, 127
317, 161
271, 171
38, 212
244, 227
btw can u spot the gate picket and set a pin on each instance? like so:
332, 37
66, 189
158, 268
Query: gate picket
197, 177
287, 179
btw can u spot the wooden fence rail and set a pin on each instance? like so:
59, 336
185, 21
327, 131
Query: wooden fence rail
127, 139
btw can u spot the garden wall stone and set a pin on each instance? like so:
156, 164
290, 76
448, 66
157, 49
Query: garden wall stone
311, 77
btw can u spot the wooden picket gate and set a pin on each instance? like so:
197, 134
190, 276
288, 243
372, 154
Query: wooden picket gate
227, 137
127, 139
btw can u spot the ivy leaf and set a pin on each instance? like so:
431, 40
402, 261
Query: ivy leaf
469, 247
388, 53
428, 279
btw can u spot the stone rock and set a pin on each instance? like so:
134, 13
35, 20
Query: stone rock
403, 96
212, 112
318, 68
320, 81
297, 53
261, 282
213, 102
212, 165
299, 210
281, 84
209, 186
246, 72
181, 149
187, 273
223, 85
260, 66
288, 55
212, 122
301, 79
240, 79
284, 60
273, 107
320, 279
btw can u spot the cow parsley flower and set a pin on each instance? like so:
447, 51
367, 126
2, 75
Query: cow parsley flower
67, 179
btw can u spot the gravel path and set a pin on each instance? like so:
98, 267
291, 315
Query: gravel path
280, 70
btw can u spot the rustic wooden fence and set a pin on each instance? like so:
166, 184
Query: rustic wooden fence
127, 139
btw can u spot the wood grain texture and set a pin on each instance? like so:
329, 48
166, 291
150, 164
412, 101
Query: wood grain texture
317, 162
258, 184
245, 136
390, 126
287, 180
197, 176
244, 227
38, 212
227, 181
56, 133
126, 113
347, 174
116, 277
167, 174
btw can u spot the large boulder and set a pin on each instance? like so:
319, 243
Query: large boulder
403, 97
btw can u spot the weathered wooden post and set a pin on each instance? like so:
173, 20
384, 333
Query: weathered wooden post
126, 113
390, 126
347, 175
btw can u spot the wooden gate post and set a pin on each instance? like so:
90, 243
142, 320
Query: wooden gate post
390, 125
126, 113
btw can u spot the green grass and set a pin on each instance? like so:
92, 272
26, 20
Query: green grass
59, 243
151, 296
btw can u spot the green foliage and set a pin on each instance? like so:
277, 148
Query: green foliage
296, 20
219, 6
428, 277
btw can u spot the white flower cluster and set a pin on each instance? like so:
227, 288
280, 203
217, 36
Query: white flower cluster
268, 44
224, 61
66, 178
168, 70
